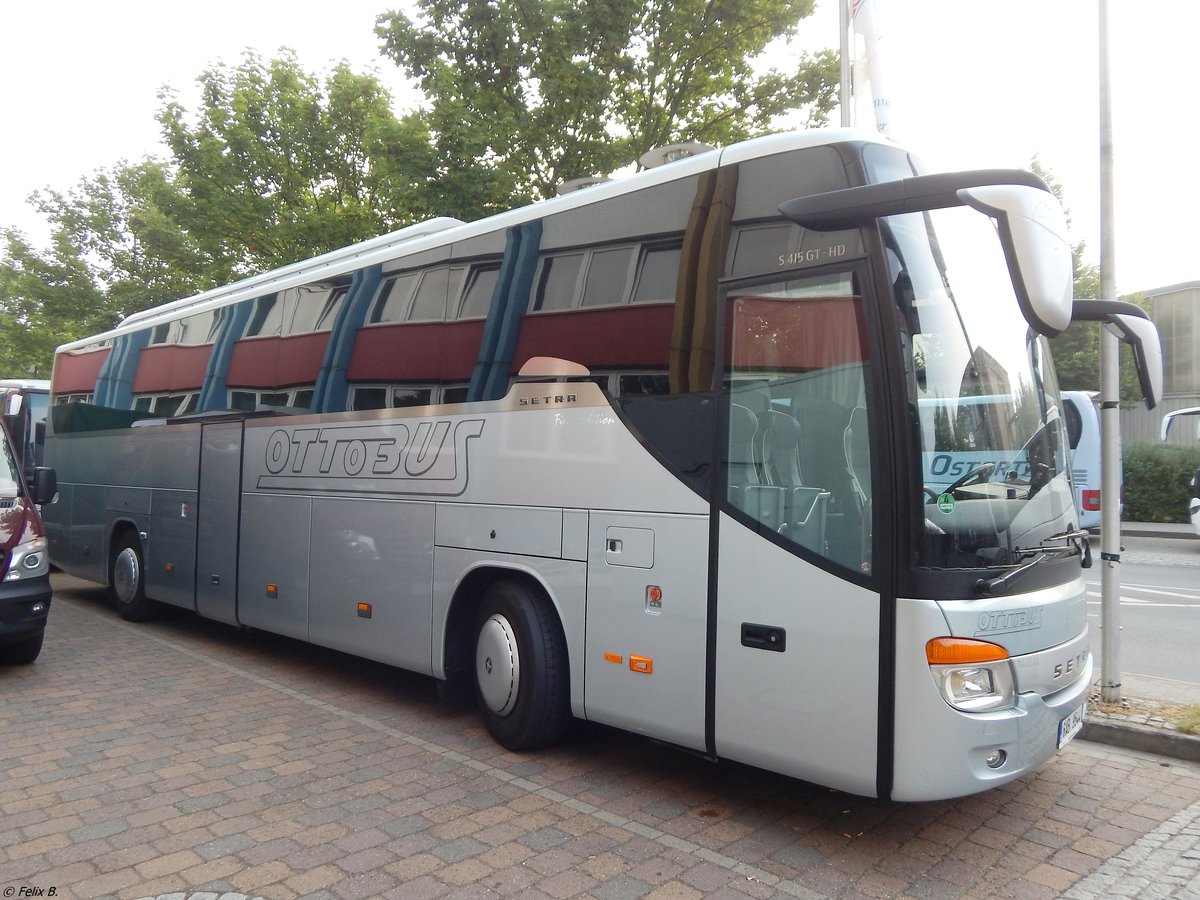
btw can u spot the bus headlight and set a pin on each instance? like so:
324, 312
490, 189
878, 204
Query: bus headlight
28, 560
972, 676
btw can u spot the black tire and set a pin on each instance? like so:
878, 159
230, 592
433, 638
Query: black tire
22, 652
522, 681
127, 580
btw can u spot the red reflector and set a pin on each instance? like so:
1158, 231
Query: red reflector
1091, 501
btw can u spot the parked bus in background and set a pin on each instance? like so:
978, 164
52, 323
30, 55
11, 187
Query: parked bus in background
649, 454
1194, 502
1082, 413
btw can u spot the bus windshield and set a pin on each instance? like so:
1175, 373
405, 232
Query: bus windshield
10, 478
990, 431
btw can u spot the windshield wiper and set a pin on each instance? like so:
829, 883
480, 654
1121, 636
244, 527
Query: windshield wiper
999, 585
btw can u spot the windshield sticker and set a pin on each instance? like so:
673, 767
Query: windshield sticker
946, 503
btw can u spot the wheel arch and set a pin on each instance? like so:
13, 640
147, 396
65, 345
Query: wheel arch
456, 641
118, 529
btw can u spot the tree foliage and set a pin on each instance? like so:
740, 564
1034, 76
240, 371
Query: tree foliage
524, 95
275, 164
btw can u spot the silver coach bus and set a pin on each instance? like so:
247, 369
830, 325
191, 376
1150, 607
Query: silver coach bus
650, 454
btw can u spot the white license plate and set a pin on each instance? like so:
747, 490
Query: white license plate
1070, 726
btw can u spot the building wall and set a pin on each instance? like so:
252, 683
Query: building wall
1176, 311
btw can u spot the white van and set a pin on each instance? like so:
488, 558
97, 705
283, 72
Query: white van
1082, 413
1194, 502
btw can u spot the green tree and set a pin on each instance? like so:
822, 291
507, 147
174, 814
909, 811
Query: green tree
113, 249
43, 296
275, 166
525, 95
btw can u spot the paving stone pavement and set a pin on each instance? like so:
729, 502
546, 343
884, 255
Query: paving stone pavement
184, 756
1164, 863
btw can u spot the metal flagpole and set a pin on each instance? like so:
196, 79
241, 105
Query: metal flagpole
1110, 422
844, 87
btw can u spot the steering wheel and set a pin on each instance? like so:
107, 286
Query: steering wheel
977, 475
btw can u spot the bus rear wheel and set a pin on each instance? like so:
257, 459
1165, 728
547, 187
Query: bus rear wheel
127, 580
522, 682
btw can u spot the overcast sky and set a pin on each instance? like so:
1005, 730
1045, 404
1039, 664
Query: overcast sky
974, 83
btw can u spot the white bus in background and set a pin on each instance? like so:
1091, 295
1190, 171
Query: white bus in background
1168, 419
643, 454
1082, 412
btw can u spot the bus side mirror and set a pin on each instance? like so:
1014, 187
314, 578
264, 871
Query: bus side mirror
1143, 339
1033, 232
1131, 324
45, 485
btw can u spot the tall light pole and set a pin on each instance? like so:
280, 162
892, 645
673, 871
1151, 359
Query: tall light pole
845, 87
1110, 392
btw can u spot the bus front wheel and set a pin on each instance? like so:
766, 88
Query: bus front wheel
127, 580
521, 677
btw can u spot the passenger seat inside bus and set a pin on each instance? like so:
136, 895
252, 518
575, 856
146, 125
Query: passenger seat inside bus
804, 505
747, 490
823, 463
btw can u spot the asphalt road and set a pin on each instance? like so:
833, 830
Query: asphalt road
1160, 607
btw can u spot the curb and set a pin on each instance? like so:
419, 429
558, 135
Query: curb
1174, 744
1151, 532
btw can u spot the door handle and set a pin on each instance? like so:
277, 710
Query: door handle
764, 637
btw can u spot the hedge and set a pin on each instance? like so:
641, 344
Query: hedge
1158, 482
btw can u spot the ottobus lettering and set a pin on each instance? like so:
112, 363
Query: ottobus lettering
433, 450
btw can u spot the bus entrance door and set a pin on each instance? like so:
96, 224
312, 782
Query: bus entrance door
218, 515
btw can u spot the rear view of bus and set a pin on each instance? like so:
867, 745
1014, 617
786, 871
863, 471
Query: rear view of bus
759, 453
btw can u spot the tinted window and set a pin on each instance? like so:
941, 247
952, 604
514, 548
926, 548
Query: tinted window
392, 302
267, 318
307, 304
1074, 422
404, 397
479, 293
657, 275
201, 328
556, 287
243, 400
797, 455
429, 304
608, 271
758, 249
369, 398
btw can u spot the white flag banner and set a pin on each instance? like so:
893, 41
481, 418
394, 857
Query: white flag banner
871, 100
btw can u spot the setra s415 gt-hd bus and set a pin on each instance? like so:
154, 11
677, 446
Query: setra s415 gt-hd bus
652, 453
